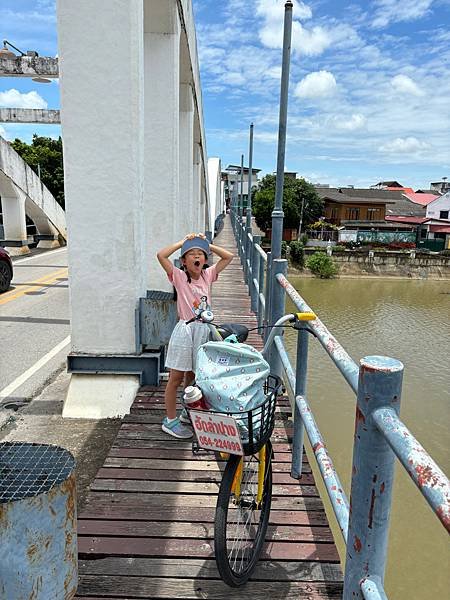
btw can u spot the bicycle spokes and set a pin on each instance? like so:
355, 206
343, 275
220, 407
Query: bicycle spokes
243, 513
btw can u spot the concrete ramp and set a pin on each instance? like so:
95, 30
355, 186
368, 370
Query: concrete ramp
23, 193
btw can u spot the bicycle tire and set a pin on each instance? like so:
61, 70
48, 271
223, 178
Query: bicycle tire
236, 564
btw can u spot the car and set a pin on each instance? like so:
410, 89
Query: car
6, 270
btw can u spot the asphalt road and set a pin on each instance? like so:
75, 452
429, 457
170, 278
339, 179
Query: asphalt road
34, 325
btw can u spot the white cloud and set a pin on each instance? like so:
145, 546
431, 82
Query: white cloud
356, 121
403, 145
273, 10
404, 84
310, 42
394, 11
319, 84
15, 99
307, 41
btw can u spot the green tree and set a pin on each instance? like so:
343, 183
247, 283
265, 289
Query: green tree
295, 191
322, 265
48, 154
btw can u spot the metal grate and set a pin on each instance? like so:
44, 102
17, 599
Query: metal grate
27, 470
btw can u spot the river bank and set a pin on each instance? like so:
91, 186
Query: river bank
383, 264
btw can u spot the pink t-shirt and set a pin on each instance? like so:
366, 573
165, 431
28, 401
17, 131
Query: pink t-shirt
195, 296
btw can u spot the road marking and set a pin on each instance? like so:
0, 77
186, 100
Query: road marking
40, 255
9, 389
33, 285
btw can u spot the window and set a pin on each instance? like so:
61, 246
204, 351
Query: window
373, 214
352, 214
334, 213
443, 214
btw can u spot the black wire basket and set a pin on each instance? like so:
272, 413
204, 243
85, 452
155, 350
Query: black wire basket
256, 425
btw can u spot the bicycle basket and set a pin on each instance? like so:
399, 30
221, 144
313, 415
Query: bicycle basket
256, 425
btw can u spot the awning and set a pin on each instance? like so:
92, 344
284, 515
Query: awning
440, 228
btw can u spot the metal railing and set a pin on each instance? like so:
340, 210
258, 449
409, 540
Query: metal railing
380, 435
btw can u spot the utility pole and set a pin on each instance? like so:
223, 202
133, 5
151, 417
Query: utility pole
241, 206
248, 221
277, 214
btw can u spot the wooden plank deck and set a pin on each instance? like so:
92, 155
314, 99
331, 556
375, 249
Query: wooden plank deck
146, 530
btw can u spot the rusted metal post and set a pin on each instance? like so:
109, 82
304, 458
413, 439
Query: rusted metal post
254, 284
301, 371
38, 522
379, 386
277, 305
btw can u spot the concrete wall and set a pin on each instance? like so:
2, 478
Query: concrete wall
134, 153
28, 66
29, 115
103, 165
392, 264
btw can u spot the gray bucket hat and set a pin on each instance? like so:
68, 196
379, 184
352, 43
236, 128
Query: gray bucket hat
195, 243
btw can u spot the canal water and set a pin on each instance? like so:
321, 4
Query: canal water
410, 321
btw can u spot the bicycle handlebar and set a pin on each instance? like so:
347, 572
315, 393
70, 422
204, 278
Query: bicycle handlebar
207, 317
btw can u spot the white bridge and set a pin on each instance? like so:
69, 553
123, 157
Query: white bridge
22, 193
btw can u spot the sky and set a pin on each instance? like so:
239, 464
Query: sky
369, 95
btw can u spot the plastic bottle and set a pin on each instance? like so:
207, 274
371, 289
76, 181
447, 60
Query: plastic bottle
193, 398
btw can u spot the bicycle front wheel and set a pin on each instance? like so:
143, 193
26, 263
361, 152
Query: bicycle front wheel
241, 521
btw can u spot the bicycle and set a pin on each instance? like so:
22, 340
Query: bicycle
245, 493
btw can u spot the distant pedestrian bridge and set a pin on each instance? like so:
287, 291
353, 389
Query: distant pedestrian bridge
23, 194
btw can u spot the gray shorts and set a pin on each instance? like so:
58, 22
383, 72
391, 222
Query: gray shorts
184, 344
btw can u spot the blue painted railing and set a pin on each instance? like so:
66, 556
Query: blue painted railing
380, 435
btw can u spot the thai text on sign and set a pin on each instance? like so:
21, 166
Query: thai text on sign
216, 432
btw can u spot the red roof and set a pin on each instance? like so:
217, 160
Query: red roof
423, 199
407, 190
440, 228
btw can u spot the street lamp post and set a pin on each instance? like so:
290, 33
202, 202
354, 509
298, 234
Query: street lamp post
277, 214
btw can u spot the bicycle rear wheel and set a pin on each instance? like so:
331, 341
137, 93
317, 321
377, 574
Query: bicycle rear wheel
240, 524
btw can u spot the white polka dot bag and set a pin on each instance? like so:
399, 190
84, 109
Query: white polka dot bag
231, 376
235, 380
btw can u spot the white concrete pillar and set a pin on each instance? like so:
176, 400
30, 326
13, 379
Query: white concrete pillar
14, 222
161, 123
197, 190
101, 74
187, 219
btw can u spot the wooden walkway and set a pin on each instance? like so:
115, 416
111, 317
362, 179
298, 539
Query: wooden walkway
146, 530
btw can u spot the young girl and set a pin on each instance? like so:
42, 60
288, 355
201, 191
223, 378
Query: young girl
193, 286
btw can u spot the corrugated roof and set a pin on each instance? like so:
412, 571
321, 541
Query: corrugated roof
405, 207
377, 224
343, 196
368, 193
